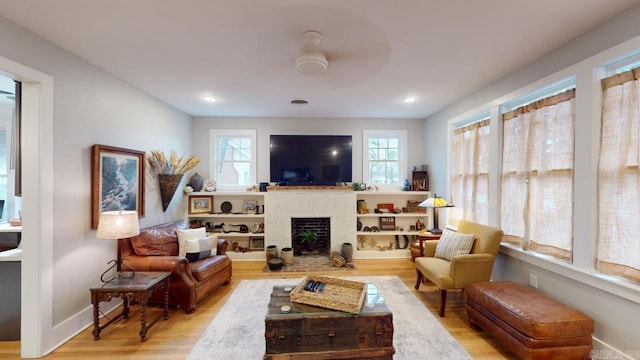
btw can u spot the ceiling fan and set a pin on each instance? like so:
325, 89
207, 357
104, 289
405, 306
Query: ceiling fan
312, 60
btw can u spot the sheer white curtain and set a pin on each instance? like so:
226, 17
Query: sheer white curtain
537, 175
618, 177
470, 173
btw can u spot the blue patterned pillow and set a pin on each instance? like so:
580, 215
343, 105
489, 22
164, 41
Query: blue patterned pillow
196, 249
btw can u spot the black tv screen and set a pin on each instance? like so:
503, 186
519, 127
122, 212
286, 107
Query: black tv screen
310, 159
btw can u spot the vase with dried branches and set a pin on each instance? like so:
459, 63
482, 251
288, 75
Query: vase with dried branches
170, 172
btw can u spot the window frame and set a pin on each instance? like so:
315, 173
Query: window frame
549, 91
214, 136
401, 135
457, 213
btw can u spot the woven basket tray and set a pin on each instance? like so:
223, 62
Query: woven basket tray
338, 294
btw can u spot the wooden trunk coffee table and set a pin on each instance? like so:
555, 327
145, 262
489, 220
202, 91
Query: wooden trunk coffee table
310, 332
132, 290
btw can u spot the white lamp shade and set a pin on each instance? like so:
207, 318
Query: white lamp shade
114, 225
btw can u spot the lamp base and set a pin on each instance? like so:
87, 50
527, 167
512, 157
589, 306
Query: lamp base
435, 231
118, 266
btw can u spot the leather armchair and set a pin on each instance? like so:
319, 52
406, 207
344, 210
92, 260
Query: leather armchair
462, 269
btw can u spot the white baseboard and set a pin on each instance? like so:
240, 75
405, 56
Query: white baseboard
602, 351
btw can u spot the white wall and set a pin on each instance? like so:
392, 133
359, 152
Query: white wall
90, 106
268, 126
614, 305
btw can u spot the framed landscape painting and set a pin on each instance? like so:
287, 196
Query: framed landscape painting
117, 181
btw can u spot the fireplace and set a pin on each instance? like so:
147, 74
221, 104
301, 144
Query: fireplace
281, 206
322, 227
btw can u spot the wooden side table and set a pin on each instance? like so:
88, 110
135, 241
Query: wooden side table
417, 249
132, 290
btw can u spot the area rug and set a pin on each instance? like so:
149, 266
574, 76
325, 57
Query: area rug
237, 332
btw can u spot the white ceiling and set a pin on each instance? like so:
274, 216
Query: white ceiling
243, 51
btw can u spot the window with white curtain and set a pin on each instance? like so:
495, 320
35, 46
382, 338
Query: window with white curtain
537, 175
233, 158
470, 173
619, 177
384, 157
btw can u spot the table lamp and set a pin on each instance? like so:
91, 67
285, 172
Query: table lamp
435, 203
115, 225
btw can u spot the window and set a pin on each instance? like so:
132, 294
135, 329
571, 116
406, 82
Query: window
537, 175
384, 157
619, 176
233, 158
470, 173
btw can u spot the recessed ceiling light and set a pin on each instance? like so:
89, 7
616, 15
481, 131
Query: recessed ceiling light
299, 102
409, 100
209, 99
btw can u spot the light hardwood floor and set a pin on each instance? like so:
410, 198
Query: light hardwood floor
174, 338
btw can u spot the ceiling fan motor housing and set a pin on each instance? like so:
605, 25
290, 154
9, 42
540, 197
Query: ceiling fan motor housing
312, 60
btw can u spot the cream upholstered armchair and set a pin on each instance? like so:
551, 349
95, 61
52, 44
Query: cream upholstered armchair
458, 258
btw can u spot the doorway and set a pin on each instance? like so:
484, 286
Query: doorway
37, 208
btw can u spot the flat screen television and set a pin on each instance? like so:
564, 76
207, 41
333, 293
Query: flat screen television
310, 159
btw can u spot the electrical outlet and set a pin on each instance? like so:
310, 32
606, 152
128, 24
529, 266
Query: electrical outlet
533, 281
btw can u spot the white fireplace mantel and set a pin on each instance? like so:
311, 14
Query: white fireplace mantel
338, 205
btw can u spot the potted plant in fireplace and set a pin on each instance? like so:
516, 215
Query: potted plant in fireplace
308, 239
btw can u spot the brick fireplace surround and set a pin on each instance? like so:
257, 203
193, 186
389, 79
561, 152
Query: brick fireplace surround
336, 203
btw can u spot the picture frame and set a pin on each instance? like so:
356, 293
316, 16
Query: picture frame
256, 243
200, 204
117, 181
249, 206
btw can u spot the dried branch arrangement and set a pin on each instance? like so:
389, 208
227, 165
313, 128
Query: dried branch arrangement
173, 165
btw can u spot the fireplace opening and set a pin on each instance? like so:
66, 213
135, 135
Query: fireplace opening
322, 227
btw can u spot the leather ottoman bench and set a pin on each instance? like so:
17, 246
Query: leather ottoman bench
527, 322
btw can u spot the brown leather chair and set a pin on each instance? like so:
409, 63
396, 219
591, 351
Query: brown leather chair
462, 269
156, 249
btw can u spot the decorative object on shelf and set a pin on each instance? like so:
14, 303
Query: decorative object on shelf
250, 206
170, 172
200, 204
385, 207
263, 186
387, 223
209, 185
226, 207
117, 181
419, 225
412, 205
435, 203
420, 180
362, 207
406, 186
308, 239
347, 252
359, 225
196, 182
187, 189
406, 242
287, 255
254, 227
114, 225
385, 248
256, 243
